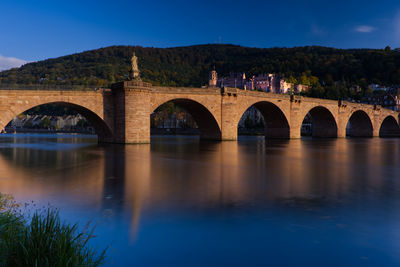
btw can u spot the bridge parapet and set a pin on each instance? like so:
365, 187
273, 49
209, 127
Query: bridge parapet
263, 94
186, 90
361, 105
131, 85
375, 109
50, 87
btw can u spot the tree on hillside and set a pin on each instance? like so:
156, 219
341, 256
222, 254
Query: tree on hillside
326, 70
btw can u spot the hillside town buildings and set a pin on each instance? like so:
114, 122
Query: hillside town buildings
270, 83
387, 97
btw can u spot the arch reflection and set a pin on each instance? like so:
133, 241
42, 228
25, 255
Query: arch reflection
187, 176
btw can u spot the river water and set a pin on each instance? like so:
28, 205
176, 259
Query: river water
184, 202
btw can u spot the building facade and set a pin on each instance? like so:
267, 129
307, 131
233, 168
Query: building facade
234, 80
390, 99
270, 83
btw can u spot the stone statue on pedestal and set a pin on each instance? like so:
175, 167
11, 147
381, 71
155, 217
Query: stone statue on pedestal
134, 73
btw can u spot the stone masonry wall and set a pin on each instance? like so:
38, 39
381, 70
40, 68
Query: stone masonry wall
122, 114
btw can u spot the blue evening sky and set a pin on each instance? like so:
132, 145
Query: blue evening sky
40, 29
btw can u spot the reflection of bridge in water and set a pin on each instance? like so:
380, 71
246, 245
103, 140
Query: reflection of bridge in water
127, 180
122, 114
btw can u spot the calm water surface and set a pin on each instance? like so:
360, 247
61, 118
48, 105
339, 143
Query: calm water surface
182, 202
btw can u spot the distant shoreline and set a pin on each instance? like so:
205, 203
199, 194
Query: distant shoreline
154, 131
27, 130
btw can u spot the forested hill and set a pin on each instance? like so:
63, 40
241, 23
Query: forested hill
330, 71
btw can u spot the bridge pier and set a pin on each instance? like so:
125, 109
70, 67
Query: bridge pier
341, 133
131, 114
342, 120
375, 131
295, 132
229, 121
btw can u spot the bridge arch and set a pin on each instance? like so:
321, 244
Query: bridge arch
323, 122
389, 127
103, 131
206, 121
359, 125
276, 123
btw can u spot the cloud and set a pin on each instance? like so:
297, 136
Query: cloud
364, 29
396, 25
317, 30
10, 62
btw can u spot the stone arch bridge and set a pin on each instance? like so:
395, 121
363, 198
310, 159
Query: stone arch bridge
122, 114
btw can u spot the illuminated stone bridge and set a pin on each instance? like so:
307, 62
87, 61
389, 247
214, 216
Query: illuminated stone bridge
122, 114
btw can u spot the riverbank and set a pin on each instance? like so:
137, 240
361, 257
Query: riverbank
42, 239
32, 130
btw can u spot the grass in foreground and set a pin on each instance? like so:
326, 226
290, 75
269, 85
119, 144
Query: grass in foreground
43, 240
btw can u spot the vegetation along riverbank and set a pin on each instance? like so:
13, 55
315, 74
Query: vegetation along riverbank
40, 238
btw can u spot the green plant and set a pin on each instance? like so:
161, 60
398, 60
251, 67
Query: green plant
44, 241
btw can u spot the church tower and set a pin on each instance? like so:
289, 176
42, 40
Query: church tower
213, 78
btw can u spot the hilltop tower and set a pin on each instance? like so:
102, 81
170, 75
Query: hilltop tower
212, 78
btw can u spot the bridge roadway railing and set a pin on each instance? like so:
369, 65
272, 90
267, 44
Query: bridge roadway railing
50, 87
